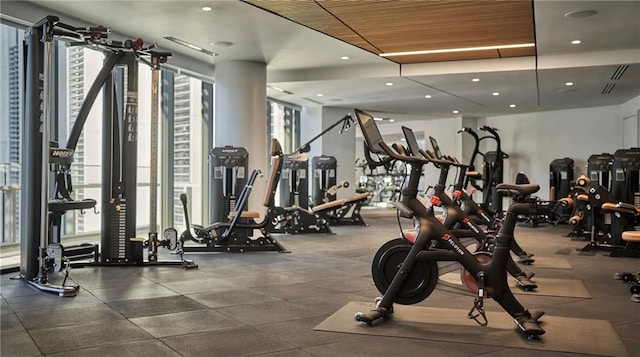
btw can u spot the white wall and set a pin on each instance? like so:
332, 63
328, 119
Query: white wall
631, 127
342, 146
533, 140
310, 126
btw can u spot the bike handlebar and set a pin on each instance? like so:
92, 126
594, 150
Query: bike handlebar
493, 131
410, 159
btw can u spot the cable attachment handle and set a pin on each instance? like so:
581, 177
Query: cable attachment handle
478, 305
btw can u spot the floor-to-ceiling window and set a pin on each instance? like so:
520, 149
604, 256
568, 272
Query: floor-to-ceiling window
187, 112
284, 124
11, 124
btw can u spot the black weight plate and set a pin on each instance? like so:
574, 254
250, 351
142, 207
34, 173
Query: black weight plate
420, 282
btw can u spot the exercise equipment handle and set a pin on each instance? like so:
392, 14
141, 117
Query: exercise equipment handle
183, 198
467, 129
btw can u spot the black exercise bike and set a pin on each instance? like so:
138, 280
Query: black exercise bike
407, 273
456, 210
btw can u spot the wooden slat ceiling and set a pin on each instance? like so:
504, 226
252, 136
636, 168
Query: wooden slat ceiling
382, 26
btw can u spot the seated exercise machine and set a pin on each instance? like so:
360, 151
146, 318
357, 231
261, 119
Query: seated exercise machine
560, 177
236, 234
407, 272
325, 189
599, 170
627, 217
597, 209
577, 202
41, 251
228, 169
294, 215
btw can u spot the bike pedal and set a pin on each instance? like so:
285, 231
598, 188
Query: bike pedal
526, 261
525, 283
536, 315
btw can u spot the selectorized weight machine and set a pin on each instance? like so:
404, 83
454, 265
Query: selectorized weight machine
42, 251
325, 189
228, 167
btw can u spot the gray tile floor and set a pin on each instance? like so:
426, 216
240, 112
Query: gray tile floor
267, 304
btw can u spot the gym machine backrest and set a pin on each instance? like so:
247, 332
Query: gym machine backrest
228, 168
560, 176
599, 168
324, 177
294, 185
625, 185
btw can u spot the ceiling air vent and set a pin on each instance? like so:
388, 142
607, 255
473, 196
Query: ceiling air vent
608, 88
619, 72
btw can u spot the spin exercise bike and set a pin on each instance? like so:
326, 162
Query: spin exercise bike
455, 217
493, 167
407, 273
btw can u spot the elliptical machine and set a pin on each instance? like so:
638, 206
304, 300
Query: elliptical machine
493, 169
491, 177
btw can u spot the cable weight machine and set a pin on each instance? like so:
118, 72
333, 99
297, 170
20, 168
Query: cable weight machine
42, 252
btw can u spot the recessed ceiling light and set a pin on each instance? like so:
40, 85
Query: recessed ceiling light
206, 8
495, 93
344, 58
568, 84
475, 80
389, 83
581, 13
320, 95
456, 112
378, 119
512, 105
428, 96
391, 120
576, 42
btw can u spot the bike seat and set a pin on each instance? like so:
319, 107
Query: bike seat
517, 190
473, 174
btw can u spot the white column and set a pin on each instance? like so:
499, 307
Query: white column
241, 116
